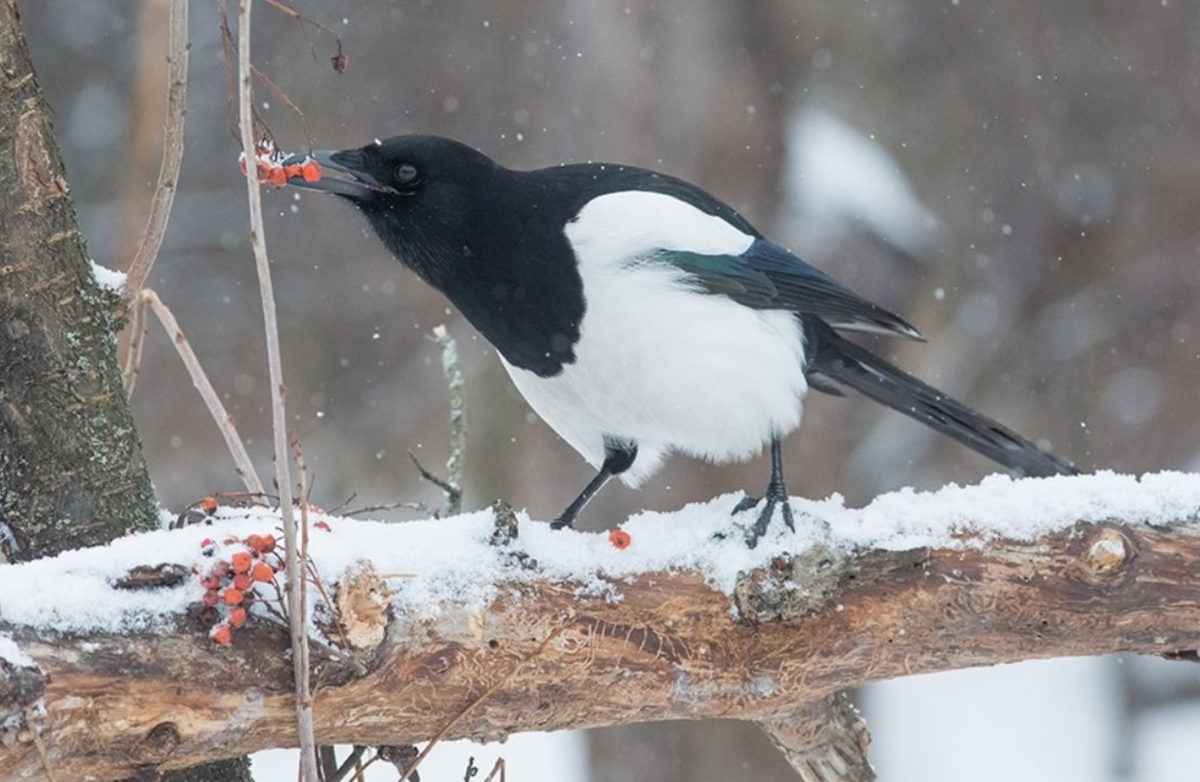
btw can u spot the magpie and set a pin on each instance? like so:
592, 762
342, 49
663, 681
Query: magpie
637, 314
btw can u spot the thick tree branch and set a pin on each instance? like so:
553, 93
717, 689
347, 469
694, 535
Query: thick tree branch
668, 647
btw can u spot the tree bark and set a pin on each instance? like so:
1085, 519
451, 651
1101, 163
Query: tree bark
543, 657
71, 468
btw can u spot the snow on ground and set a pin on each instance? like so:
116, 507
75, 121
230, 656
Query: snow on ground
436, 561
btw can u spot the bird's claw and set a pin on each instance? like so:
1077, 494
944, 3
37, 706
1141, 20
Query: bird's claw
775, 496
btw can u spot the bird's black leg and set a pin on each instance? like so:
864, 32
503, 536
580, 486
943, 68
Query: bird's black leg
618, 456
776, 494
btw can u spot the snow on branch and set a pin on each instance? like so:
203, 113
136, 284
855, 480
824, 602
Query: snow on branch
501, 625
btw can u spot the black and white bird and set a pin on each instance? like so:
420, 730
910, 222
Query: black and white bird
637, 314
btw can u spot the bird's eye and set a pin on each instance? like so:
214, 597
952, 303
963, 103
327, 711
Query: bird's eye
407, 175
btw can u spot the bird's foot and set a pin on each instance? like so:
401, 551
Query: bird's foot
776, 496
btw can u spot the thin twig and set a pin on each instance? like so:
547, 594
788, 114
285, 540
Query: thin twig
347, 766
361, 769
458, 419
295, 575
300, 655
419, 507
137, 342
168, 172
305, 20
224, 421
287, 101
498, 768
433, 478
327, 755
228, 47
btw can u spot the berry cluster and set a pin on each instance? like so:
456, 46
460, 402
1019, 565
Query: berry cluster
229, 572
276, 167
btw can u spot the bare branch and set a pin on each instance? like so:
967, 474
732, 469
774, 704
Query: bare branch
458, 419
168, 173
295, 574
224, 421
452, 492
300, 655
496, 769
137, 344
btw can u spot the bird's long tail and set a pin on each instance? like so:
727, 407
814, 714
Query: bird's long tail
834, 358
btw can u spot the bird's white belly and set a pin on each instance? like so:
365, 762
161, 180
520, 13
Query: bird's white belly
671, 369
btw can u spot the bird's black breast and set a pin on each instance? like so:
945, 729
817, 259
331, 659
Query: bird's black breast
519, 285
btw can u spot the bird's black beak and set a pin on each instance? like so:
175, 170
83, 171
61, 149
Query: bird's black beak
341, 174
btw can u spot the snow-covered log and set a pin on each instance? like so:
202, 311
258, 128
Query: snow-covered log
494, 624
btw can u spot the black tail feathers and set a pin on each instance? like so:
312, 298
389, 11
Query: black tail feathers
830, 357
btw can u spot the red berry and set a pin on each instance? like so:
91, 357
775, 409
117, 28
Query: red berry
311, 171
268, 544
262, 572
211, 598
232, 596
241, 562
221, 634
237, 618
242, 581
209, 505
210, 582
322, 524
619, 538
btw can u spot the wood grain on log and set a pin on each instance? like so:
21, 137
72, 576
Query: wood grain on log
669, 648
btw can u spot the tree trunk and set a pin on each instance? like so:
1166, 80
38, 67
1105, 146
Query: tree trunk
71, 467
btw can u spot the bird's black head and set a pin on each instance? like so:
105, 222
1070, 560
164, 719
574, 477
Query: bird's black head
420, 194
489, 238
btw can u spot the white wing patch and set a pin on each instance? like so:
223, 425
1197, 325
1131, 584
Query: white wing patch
617, 227
658, 362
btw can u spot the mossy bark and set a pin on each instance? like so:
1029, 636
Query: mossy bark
71, 468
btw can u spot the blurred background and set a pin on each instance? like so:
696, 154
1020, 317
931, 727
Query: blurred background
1019, 180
